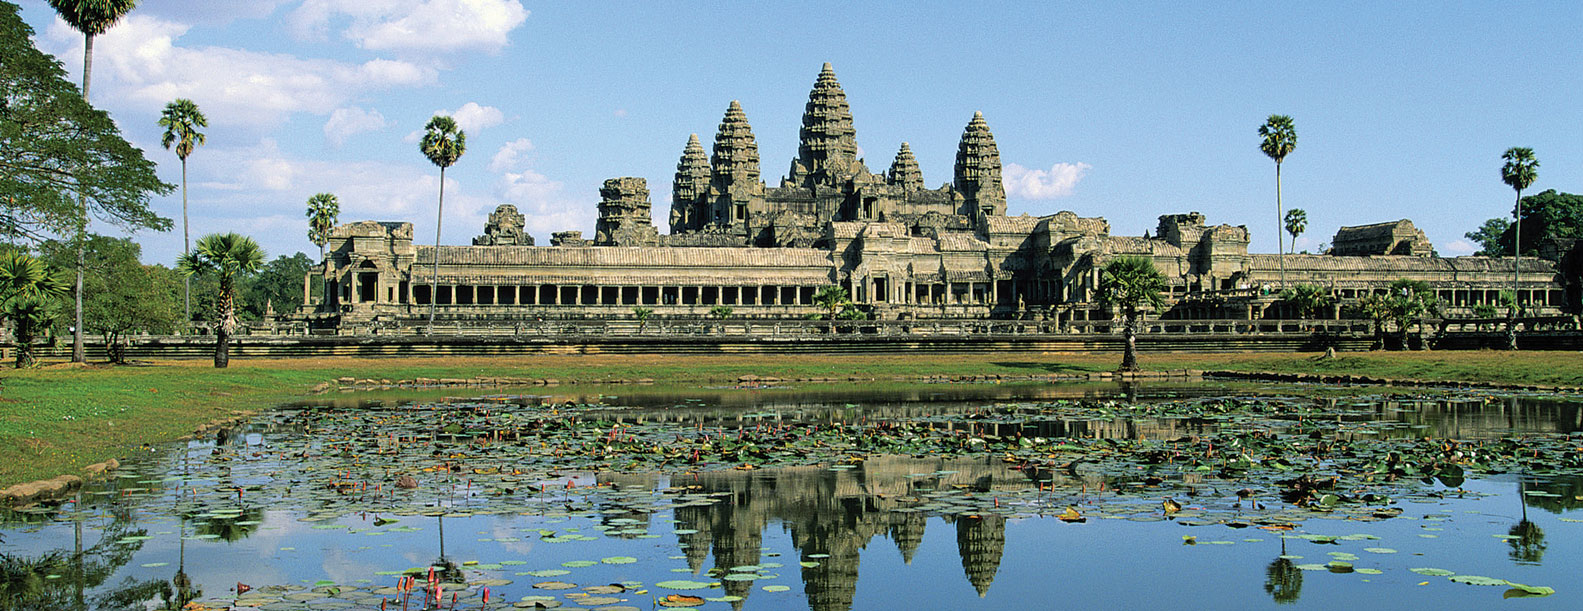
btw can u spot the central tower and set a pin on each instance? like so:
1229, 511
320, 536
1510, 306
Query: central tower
827, 142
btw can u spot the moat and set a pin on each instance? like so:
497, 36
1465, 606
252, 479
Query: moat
986, 496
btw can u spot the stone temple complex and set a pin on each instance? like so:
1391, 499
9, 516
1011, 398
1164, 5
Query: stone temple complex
901, 250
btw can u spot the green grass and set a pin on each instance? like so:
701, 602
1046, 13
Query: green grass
58, 419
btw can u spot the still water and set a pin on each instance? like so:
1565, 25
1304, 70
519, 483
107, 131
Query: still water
305, 508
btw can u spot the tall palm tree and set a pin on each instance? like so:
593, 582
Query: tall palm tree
322, 212
1129, 283
443, 143
1277, 139
230, 256
92, 18
27, 289
181, 120
1296, 224
1520, 171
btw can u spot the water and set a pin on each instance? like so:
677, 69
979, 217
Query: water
319, 523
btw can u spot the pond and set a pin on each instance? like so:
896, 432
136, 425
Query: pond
975, 496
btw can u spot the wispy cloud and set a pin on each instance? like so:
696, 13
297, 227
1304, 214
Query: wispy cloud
345, 122
413, 25
1058, 181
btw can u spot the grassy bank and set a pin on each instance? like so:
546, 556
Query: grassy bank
57, 419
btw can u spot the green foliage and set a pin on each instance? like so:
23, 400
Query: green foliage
642, 313
278, 284
1278, 137
1490, 236
28, 292
721, 312
1521, 168
181, 120
850, 311
120, 295
443, 142
1296, 223
92, 17
227, 257
54, 148
830, 298
1131, 282
323, 210
1308, 299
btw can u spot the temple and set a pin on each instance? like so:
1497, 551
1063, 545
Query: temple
901, 250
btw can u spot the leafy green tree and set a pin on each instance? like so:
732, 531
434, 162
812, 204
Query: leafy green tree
1277, 139
643, 315
1308, 299
721, 312
323, 210
121, 295
1547, 214
277, 284
443, 143
830, 298
228, 257
1410, 302
1377, 309
1489, 237
1519, 172
27, 291
181, 120
1296, 224
1131, 283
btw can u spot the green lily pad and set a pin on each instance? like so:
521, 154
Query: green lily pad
683, 584
618, 560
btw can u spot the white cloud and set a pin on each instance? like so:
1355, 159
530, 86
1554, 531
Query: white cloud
471, 117
510, 155
140, 60
345, 122
413, 25
1458, 247
1058, 181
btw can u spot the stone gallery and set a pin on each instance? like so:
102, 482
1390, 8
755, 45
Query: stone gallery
900, 249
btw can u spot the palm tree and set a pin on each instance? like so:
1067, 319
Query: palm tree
831, 298
1278, 139
643, 315
1308, 299
1519, 172
1129, 283
322, 212
443, 143
230, 256
1296, 224
181, 120
92, 18
27, 290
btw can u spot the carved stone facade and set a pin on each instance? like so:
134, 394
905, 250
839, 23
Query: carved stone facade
900, 249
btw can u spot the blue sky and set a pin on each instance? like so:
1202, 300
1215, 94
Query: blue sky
1126, 110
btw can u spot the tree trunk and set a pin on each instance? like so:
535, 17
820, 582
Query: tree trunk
324, 279
24, 344
1517, 260
77, 355
186, 246
1280, 243
434, 280
1129, 332
224, 322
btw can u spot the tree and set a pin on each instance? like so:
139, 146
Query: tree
721, 312
1376, 308
1519, 172
1278, 138
830, 298
121, 295
643, 315
1308, 299
323, 210
1296, 224
92, 18
27, 290
443, 143
1130, 283
1489, 237
1409, 302
181, 120
228, 257
277, 284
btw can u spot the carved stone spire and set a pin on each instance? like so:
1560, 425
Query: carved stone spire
736, 157
977, 177
904, 170
691, 186
827, 139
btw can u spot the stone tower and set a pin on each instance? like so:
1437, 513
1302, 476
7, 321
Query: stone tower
691, 188
827, 143
734, 179
504, 228
904, 170
624, 218
977, 178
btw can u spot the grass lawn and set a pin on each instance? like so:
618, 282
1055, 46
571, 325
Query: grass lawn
58, 419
